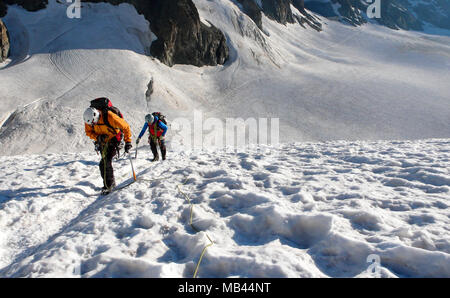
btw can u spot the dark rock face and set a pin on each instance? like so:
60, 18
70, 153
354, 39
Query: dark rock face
278, 10
394, 15
437, 14
323, 8
299, 4
251, 9
350, 11
306, 18
30, 5
182, 37
3, 9
4, 42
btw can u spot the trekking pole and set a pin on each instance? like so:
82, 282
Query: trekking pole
135, 157
132, 167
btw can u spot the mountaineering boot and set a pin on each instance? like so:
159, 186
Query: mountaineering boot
108, 190
156, 158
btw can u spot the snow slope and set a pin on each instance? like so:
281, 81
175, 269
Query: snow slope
67, 63
313, 210
305, 209
348, 83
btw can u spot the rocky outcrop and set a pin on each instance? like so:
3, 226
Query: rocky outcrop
436, 13
395, 14
350, 11
30, 5
251, 9
3, 9
323, 8
182, 37
4, 42
278, 10
300, 5
305, 18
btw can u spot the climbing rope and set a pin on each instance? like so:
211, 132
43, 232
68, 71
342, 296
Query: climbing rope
190, 216
194, 228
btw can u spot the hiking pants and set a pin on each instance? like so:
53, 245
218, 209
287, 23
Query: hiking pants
106, 169
162, 146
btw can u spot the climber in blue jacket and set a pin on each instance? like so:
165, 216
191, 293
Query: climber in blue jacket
157, 129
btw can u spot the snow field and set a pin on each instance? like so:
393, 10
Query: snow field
314, 210
306, 210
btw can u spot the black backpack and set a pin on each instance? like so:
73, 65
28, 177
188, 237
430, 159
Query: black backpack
160, 117
104, 105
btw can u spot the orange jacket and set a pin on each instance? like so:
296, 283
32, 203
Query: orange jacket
93, 131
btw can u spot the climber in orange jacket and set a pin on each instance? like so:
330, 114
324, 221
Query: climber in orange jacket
107, 136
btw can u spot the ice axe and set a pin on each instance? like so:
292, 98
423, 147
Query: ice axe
137, 146
132, 167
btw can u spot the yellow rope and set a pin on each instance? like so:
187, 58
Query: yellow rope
194, 228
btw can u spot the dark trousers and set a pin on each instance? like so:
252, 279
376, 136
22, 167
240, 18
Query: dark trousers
106, 169
162, 145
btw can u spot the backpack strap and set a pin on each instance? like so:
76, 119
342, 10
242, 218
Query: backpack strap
113, 130
106, 121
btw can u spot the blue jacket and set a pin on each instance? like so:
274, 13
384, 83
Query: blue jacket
161, 125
